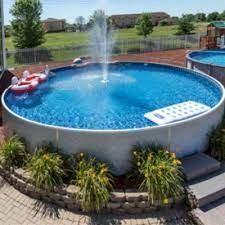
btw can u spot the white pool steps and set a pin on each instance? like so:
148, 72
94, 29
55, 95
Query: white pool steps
176, 112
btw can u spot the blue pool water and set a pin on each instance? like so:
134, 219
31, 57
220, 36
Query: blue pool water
210, 57
76, 98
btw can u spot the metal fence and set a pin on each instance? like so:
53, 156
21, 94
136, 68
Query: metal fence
25, 57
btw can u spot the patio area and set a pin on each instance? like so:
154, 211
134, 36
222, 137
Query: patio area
174, 57
17, 208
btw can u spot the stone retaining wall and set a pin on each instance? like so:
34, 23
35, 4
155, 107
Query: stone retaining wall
128, 201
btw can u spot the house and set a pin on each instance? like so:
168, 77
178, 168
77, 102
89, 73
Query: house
130, 20
54, 25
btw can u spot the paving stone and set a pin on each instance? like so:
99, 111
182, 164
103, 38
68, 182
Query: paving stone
199, 165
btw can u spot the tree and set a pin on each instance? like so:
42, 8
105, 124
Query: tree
27, 28
80, 23
213, 16
200, 17
185, 26
8, 30
100, 19
144, 25
190, 17
222, 15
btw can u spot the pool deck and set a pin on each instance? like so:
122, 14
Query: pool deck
174, 57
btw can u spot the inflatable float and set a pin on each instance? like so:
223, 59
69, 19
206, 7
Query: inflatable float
28, 83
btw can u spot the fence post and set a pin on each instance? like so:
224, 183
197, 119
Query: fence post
185, 41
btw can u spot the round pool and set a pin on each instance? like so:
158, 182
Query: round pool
78, 112
209, 62
209, 57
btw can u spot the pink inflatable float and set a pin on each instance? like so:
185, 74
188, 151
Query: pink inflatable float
28, 83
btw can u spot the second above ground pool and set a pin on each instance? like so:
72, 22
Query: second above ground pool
216, 58
209, 62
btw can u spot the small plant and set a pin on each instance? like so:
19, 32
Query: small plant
94, 180
46, 169
13, 152
217, 142
159, 172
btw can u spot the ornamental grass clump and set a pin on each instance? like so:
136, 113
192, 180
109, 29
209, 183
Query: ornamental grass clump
94, 181
217, 142
13, 152
46, 169
159, 173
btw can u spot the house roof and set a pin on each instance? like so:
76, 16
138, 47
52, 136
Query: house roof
52, 20
138, 14
218, 24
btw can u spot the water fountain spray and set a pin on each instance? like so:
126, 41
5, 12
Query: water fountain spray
102, 41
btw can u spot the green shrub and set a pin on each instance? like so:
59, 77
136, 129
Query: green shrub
46, 169
217, 142
13, 152
158, 171
94, 180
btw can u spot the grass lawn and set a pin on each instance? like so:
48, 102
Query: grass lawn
76, 38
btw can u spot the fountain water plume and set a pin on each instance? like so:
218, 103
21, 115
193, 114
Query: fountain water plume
102, 41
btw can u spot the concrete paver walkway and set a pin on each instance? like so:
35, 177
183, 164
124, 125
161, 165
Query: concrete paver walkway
19, 209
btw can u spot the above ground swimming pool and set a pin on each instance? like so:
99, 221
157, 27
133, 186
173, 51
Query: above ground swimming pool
209, 62
78, 112
209, 57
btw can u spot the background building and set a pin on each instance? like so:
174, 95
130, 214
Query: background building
130, 20
54, 25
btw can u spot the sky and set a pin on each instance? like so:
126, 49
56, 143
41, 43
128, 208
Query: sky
70, 9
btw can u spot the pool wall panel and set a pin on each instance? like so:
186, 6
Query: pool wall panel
184, 138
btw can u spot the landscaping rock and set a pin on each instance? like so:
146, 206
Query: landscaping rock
71, 206
13, 179
144, 196
113, 205
132, 196
117, 196
30, 187
47, 199
60, 203
150, 209
72, 190
19, 173
134, 210
55, 196
61, 190
67, 199
128, 205
143, 204
27, 176
34, 195
20, 184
